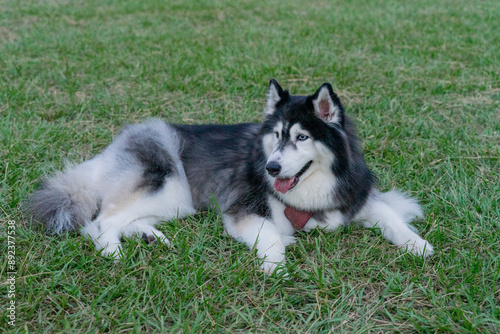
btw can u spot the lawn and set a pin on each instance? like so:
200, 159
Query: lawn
420, 78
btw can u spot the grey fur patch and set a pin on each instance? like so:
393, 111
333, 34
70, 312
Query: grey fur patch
319, 216
222, 163
98, 211
154, 158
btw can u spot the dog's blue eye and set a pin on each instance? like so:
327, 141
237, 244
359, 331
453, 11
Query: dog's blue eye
302, 137
277, 134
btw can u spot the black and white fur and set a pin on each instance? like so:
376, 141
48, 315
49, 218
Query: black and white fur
154, 171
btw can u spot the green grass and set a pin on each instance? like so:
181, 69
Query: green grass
421, 79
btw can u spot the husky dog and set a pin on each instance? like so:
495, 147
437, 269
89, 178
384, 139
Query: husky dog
300, 169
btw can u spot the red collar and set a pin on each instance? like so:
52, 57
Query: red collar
297, 217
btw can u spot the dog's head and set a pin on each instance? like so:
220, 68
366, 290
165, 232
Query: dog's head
303, 138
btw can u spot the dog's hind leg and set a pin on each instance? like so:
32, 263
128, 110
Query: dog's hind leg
144, 228
258, 232
105, 237
144, 183
391, 212
137, 212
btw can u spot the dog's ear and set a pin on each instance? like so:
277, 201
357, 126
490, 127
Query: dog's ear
327, 105
274, 96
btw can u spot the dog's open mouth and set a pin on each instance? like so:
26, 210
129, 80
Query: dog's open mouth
284, 185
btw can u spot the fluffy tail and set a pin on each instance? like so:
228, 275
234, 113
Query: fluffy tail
65, 201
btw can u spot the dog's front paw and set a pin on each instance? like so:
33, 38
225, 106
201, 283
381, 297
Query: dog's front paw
155, 238
277, 268
288, 240
419, 247
273, 262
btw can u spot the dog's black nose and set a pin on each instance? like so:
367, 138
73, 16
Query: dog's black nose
273, 168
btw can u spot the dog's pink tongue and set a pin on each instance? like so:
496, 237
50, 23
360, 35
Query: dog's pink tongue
298, 218
283, 185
